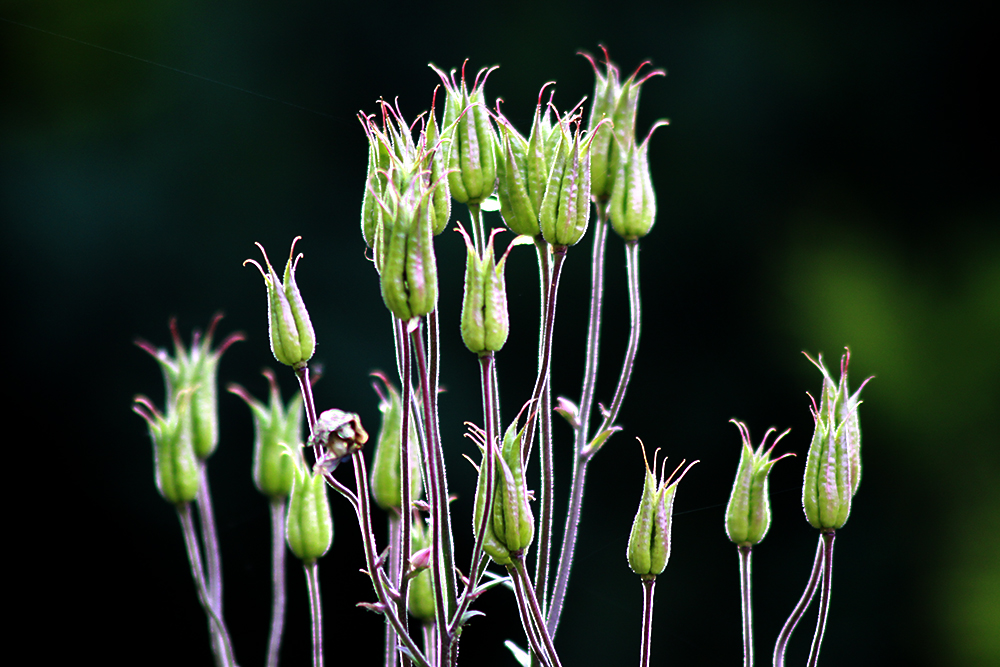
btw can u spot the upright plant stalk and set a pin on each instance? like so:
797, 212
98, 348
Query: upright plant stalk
315, 611
745, 595
826, 539
277, 581
400, 555
800, 607
395, 567
533, 619
547, 490
648, 586
210, 542
215, 621
442, 546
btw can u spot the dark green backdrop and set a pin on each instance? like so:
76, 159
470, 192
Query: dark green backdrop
828, 179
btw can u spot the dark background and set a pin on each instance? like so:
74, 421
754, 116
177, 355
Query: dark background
828, 179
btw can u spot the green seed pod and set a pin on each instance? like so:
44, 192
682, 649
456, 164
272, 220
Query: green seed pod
649, 542
420, 594
277, 428
471, 151
565, 208
748, 515
293, 340
309, 525
492, 545
441, 195
386, 474
194, 370
833, 467
513, 523
633, 201
607, 89
484, 323
175, 466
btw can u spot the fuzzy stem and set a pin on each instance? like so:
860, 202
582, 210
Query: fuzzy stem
197, 573
315, 611
800, 608
400, 556
648, 585
580, 460
394, 576
548, 649
530, 627
277, 580
746, 595
305, 386
824, 599
210, 543
547, 484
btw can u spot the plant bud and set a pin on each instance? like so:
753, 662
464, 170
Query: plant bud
633, 201
174, 463
340, 434
309, 525
194, 370
649, 541
492, 545
748, 515
833, 467
420, 594
387, 488
471, 160
277, 428
565, 207
441, 194
513, 523
484, 304
293, 340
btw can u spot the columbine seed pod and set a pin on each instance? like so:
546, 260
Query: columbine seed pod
309, 525
175, 466
748, 515
420, 594
633, 200
438, 177
565, 208
339, 434
492, 545
194, 370
513, 523
277, 428
471, 159
607, 89
833, 467
387, 488
409, 211
293, 340
484, 323
649, 542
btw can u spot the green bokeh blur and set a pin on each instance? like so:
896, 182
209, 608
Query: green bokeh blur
828, 179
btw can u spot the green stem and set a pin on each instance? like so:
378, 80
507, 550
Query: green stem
824, 597
745, 595
197, 573
800, 608
277, 581
389, 646
548, 649
400, 556
648, 585
315, 611
547, 484
210, 542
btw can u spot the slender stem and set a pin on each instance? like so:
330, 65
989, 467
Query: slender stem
478, 233
429, 634
305, 386
400, 556
530, 627
547, 484
648, 585
800, 608
536, 612
745, 595
197, 573
442, 546
824, 598
315, 611
394, 576
210, 543
362, 508
580, 460
277, 580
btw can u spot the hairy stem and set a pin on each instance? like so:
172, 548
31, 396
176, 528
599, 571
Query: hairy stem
648, 585
315, 611
547, 649
210, 542
395, 563
800, 608
277, 580
547, 484
400, 556
827, 539
215, 621
745, 595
